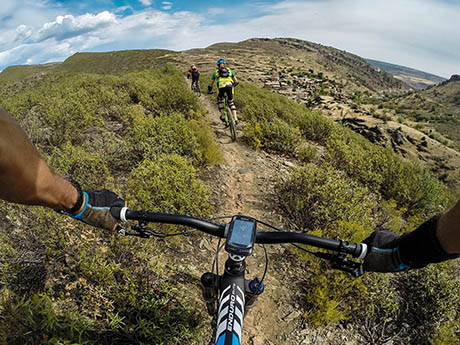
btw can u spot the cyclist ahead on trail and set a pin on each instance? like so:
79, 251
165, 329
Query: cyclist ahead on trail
195, 74
226, 80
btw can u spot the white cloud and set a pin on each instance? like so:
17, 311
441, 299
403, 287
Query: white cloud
167, 5
421, 34
215, 10
146, 2
68, 26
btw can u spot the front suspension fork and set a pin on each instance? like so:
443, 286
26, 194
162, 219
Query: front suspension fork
209, 283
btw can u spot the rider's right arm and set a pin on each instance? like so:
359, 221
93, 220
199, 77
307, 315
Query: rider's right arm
436, 240
448, 232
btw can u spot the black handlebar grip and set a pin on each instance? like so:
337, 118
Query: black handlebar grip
115, 212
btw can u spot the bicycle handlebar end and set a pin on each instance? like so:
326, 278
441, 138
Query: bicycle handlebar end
363, 251
119, 213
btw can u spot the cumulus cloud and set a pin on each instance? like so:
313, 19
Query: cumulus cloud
69, 26
167, 5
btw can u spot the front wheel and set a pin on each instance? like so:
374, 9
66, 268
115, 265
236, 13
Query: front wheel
231, 122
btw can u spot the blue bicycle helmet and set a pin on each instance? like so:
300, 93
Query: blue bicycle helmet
220, 61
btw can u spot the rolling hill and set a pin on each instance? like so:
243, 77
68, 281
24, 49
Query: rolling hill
416, 79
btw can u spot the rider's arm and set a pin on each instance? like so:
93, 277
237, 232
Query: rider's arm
25, 178
235, 81
213, 78
448, 231
436, 240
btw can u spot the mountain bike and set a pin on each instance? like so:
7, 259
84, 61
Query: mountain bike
229, 295
228, 116
196, 88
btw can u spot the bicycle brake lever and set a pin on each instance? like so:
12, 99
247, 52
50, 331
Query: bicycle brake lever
144, 232
348, 266
342, 263
122, 232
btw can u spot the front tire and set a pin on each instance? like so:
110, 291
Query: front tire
231, 122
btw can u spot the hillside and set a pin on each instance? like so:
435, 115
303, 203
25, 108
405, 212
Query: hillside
145, 135
16, 73
340, 85
416, 79
284, 61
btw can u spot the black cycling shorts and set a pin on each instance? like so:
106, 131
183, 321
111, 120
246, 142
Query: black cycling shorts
226, 90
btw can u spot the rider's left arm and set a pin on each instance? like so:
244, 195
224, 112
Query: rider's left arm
25, 177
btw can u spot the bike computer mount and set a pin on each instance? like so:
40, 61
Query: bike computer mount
241, 235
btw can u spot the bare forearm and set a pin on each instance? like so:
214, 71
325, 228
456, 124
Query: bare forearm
25, 177
448, 230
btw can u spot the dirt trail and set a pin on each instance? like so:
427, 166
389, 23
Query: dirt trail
244, 185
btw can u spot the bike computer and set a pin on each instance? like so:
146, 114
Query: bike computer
241, 236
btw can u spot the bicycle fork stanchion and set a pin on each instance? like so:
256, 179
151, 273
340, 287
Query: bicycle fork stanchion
253, 289
209, 288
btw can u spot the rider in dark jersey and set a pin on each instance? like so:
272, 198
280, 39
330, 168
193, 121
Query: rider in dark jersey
194, 73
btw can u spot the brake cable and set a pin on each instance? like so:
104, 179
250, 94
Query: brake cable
143, 232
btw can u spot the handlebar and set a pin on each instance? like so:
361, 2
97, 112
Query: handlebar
357, 250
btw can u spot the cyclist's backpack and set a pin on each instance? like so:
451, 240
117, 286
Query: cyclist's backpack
224, 73
195, 74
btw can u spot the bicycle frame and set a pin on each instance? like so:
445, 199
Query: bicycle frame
235, 294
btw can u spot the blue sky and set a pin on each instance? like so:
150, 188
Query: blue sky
422, 34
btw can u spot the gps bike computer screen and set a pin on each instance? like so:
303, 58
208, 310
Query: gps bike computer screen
241, 236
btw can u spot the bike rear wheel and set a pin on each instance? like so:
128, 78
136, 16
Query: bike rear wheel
231, 122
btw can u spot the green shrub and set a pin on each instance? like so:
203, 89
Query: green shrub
89, 168
307, 153
276, 135
411, 185
165, 134
317, 198
273, 122
168, 183
316, 127
429, 300
207, 145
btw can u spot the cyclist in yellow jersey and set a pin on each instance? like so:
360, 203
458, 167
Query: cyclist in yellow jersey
226, 80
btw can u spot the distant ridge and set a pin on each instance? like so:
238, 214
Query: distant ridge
417, 79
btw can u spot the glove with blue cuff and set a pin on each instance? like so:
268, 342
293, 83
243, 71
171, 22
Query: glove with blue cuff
390, 252
93, 207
